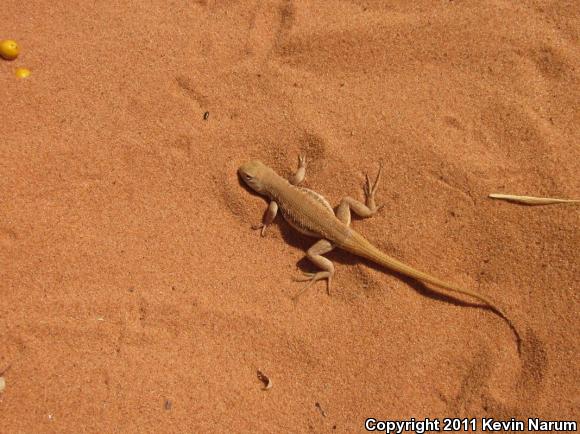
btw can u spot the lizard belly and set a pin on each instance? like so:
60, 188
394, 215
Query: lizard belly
300, 223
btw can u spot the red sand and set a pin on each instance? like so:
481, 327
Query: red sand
135, 297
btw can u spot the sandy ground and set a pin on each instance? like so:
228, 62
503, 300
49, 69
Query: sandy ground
134, 295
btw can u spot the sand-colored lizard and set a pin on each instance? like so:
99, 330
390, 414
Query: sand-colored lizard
311, 214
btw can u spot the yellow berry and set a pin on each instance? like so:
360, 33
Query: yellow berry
22, 72
9, 49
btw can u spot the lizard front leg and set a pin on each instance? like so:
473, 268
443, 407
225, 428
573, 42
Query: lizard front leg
368, 209
298, 177
314, 254
269, 217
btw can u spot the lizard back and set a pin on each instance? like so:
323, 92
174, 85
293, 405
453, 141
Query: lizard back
307, 211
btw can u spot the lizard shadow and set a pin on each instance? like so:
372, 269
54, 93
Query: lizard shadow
304, 242
425, 290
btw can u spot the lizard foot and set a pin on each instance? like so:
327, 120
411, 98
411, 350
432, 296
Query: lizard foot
302, 162
261, 227
311, 278
370, 188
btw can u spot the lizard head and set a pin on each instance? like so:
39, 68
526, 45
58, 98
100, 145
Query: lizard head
253, 173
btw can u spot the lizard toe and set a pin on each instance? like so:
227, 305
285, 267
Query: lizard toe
312, 278
305, 277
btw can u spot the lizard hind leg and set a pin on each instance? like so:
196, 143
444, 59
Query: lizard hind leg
314, 254
364, 210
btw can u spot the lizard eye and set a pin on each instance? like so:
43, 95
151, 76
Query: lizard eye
248, 177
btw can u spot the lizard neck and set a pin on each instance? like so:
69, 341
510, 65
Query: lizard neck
275, 184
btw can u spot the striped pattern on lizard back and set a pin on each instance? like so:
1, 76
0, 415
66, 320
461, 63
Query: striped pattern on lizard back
313, 217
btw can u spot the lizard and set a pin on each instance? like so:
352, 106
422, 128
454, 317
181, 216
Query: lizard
311, 214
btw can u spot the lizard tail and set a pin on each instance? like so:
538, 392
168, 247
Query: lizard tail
360, 246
